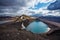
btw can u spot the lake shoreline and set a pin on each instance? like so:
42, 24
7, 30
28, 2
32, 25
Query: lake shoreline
12, 31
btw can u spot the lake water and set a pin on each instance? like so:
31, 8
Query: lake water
38, 27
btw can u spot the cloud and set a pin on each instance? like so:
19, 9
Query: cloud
52, 13
11, 5
54, 8
19, 7
55, 5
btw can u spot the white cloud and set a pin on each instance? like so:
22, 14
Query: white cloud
32, 4
53, 13
24, 8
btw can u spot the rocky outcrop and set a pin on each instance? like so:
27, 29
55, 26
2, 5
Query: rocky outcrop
13, 31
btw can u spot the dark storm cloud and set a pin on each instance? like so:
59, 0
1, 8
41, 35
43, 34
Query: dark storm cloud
55, 5
11, 5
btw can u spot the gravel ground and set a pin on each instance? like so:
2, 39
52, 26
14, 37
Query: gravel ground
13, 32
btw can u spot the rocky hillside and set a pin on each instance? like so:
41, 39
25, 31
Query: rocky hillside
13, 31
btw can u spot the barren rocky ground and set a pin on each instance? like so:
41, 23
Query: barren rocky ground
13, 31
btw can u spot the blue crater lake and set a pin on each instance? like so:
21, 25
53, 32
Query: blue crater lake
38, 27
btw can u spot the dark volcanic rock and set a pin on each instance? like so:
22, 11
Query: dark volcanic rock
19, 35
12, 31
55, 35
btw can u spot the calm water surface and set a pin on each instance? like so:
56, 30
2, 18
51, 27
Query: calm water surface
38, 27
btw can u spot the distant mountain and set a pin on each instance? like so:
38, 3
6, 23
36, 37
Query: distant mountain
36, 15
5, 17
52, 18
2, 18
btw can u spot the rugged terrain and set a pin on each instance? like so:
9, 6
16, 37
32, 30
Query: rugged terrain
13, 31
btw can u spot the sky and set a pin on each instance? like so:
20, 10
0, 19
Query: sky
30, 7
